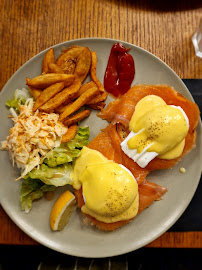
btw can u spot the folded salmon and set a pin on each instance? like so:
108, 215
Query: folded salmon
148, 193
121, 111
108, 143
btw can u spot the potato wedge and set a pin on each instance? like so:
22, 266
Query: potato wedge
97, 106
85, 87
98, 98
48, 58
83, 64
43, 81
53, 68
62, 107
64, 96
79, 102
77, 117
35, 93
93, 71
70, 134
47, 94
67, 59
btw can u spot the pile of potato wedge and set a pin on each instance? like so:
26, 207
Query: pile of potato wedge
60, 87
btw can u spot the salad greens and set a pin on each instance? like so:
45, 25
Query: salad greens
32, 189
57, 166
20, 97
55, 171
68, 151
57, 176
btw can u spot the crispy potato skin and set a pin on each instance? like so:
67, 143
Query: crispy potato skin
67, 59
77, 117
93, 71
47, 94
79, 102
70, 134
45, 80
48, 58
35, 93
62, 107
83, 64
53, 68
85, 87
66, 95
59, 88
98, 98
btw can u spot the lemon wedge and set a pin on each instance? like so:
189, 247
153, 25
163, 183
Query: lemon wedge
62, 210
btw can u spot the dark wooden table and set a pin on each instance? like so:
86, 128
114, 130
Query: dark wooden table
28, 27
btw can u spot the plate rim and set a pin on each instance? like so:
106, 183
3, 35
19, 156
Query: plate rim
126, 250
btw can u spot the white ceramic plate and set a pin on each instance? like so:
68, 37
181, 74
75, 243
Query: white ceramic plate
86, 241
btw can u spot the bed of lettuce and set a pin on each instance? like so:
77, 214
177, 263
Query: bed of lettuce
56, 168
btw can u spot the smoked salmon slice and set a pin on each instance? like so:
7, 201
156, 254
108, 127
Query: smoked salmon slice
121, 111
148, 193
108, 143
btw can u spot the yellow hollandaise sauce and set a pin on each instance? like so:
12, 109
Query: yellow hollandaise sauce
158, 128
110, 190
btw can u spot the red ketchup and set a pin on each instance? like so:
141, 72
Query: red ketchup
120, 71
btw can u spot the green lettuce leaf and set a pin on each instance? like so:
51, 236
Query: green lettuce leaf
69, 151
32, 189
80, 140
20, 97
57, 176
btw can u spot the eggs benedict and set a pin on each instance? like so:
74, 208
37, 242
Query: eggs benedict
178, 136
157, 129
109, 190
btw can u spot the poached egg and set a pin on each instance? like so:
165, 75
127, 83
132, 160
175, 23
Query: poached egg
157, 129
110, 191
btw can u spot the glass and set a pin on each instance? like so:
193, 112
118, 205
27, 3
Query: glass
197, 40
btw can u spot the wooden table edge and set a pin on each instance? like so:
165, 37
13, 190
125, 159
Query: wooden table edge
11, 234
166, 240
